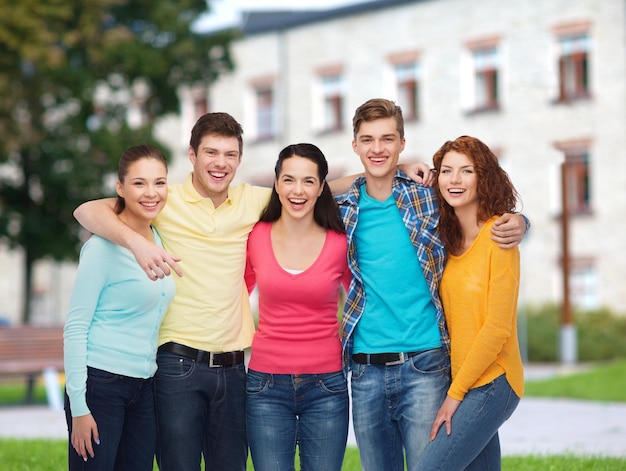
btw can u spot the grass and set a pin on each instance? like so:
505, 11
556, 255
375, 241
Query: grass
51, 455
14, 393
606, 382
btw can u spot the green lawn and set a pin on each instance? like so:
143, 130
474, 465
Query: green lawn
50, 455
606, 382
14, 393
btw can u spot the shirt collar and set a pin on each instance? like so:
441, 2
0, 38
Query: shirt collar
352, 195
191, 194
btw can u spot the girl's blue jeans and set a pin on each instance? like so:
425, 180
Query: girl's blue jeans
123, 409
310, 410
473, 443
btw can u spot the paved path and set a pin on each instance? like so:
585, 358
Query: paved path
556, 426
538, 426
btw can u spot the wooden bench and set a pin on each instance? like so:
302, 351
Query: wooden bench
31, 351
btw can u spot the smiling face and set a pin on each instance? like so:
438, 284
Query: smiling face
298, 187
458, 181
378, 144
214, 166
144, 190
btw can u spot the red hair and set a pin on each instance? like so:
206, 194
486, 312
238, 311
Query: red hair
496, 193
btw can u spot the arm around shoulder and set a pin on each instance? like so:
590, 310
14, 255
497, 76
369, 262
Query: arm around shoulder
98, 217
342, 185
509, 230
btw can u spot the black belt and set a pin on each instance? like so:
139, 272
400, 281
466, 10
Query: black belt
384, 358
212, 359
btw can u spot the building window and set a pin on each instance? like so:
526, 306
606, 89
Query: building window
333, 102
407, 83
577, 175
583, 282
573, 67
485, 78
265, 113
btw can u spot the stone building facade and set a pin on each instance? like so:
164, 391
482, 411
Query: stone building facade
543, 82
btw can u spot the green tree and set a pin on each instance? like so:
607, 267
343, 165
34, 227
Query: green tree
81, 80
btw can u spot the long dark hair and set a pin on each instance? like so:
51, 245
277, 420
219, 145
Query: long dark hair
131, 155
326, 212
496, 193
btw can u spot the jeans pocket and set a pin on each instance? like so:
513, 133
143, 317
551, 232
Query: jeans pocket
174, 366
334, 383
101, 376
102, 385
433, 361
256, 383
511, 404
358, 370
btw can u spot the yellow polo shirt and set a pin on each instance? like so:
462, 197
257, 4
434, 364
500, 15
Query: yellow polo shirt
210, 310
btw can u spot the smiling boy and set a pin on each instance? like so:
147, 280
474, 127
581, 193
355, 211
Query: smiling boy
393, 330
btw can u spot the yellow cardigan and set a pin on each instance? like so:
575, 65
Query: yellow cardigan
479, 291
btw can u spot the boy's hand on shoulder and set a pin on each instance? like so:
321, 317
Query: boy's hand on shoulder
419, 172
508, 230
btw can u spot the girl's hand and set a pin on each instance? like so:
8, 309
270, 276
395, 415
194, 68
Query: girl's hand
445, 413
84, 434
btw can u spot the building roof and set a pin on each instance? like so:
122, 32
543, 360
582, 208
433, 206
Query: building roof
257, 22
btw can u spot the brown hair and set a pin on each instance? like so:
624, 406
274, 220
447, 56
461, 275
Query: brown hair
496, 193
221, 124
378, 108
129, 156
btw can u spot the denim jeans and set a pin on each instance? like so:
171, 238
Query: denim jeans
473, 443
200, 411
394, 406
309, 410
123, 409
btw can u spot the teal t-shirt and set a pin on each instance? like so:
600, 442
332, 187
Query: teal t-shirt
399, 315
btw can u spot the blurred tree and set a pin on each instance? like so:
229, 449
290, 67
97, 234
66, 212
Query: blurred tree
80, 81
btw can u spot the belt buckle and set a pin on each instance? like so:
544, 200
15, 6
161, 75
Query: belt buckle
402, 357
211, 361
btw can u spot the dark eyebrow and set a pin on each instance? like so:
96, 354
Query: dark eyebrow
291, 176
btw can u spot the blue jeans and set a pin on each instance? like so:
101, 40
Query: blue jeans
308, 410
123, 409
200, 411
473, 443
394, 406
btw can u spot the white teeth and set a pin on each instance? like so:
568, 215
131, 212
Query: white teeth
456, 190
150, 205
217, 174
297, 201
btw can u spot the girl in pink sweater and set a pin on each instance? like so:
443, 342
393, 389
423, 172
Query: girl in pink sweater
297, 258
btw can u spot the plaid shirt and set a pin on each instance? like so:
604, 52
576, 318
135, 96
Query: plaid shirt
420, 213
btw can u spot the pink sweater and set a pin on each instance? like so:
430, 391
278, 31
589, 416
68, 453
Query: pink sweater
298, 330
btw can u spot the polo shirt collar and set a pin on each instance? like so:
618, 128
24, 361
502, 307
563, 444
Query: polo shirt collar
192, 195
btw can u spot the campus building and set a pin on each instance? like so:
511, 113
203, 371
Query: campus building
542, 82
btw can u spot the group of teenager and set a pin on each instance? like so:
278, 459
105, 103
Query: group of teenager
427, 337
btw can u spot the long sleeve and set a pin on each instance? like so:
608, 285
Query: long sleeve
480, 292
113, 319
91, 278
